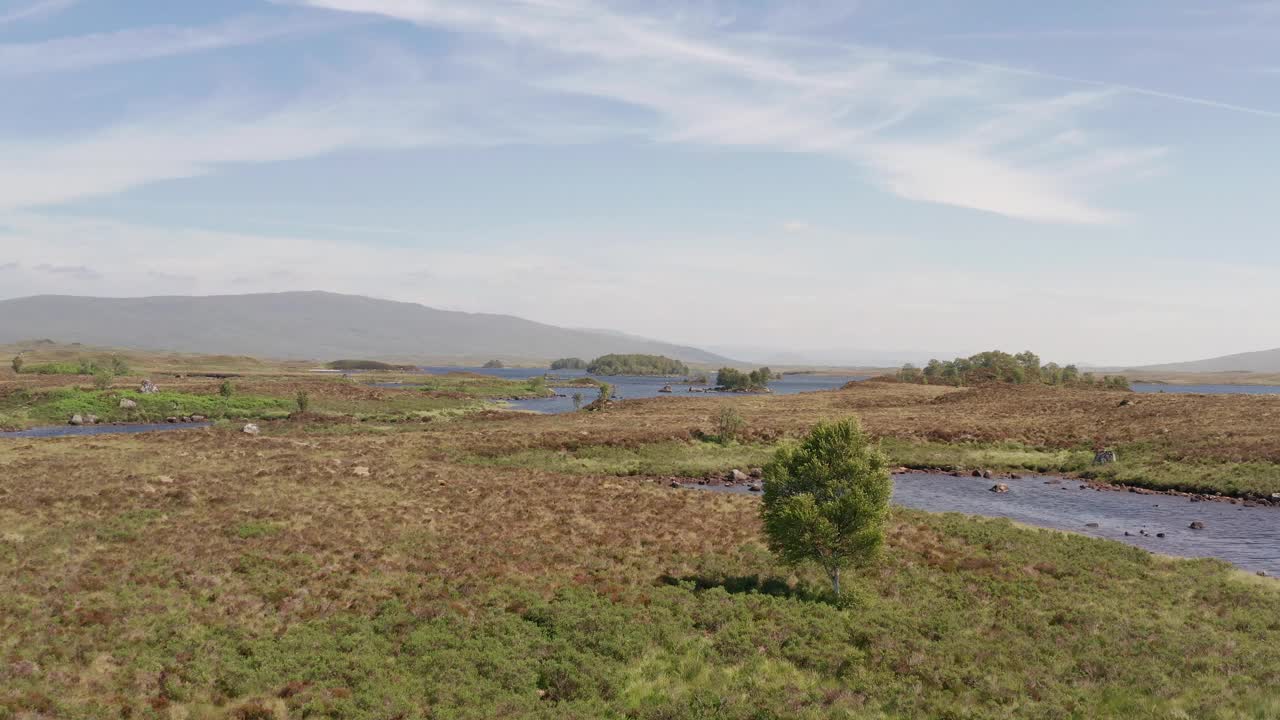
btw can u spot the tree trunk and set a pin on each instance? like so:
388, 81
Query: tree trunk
835, 582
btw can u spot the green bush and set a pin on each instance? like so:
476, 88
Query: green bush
729, 424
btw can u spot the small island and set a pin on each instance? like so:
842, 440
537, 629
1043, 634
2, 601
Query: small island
615, 364
494, 365
572, 363
731, 380
367, 365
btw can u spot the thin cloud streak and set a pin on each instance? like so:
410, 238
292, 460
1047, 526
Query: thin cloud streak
37, 10
137, 44
709, 87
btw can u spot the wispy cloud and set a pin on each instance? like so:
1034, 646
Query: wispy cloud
78, 52
35, 10
907, 120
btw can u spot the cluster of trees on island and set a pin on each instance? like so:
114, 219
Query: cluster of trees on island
995, 366
738, 381
572, 363
618, 364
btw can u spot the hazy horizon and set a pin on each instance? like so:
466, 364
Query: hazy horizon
1079, 181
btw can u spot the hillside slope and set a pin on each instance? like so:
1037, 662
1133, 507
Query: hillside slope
1262, 361
316, 325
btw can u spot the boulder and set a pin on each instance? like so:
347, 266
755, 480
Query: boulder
675, 483
171, 419
251, 429
999, 488
198, 418
977, 473
665, 389
360, 471
1197, 525
737, 475
76, 420
759, 473
148, 388
1105, 457
1093, 525
127, 404
90, 419
754, 487
986, 474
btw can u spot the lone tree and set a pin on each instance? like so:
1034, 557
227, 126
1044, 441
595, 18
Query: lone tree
17, 363
827, 500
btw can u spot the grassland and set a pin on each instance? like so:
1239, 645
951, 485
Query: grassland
501, 564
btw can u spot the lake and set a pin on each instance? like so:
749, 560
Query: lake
629, 387
76, 430
1248, 537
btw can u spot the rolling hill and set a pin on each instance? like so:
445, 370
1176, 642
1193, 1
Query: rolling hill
1262, 361
314, 325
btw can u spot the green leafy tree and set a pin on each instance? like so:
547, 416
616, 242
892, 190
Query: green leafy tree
17, 364
577, 401
226, 389
303, 401
827, 500
102, 379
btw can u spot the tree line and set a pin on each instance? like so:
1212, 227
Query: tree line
995, 366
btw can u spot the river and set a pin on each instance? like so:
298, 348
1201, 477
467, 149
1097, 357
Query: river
1248, 537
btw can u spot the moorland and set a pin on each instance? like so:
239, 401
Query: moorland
419, 551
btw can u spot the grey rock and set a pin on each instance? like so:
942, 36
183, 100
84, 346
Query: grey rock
1197, 525
76, 420
999, 488
1105, 457
127, 404
737, 475
251, 429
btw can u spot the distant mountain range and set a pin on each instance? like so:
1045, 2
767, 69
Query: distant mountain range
1262, 361
311, 325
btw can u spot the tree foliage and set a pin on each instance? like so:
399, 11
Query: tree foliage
636, 364
17, 363
571, 363
494, 365
827, 500
730, 379
995, 366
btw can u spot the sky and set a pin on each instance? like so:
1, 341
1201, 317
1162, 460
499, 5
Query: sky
1095, 181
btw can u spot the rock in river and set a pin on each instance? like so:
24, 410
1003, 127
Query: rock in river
1197, 525
999, 488
76, 420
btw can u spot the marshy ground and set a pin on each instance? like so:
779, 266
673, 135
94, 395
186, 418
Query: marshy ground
379, 558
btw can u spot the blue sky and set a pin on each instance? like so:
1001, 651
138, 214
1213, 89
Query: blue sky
1092, 180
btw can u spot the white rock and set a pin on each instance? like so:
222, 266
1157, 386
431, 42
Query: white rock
251, 429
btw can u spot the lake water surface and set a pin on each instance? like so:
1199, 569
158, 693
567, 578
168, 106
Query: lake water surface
629, 387
1249, 537
76, 430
